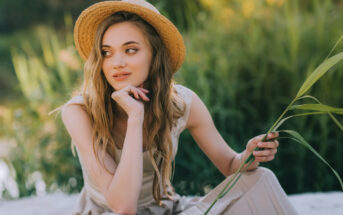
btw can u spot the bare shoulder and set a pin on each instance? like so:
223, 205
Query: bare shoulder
73, 111
198, 113
78, 125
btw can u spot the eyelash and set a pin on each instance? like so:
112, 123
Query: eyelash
135, 50
104, 52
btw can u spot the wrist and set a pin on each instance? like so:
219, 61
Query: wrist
245, 155
235, 163
135, 119
240, 160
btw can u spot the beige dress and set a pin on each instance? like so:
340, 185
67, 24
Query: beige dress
257, 192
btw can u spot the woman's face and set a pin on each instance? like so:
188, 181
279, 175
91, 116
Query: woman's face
126, 55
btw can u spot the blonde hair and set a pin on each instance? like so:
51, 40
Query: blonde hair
161, 112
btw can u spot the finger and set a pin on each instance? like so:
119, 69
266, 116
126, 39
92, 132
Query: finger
269, 144
134, 92
251, 146
252, 143
143, 96
114, 94
144, 90
264, 159
272, 135
265, 153
258, 138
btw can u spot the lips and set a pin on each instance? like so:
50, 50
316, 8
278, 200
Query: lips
119, 76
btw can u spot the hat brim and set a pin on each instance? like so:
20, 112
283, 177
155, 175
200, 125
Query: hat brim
89, 20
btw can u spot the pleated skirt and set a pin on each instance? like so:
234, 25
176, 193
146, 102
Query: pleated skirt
257, 192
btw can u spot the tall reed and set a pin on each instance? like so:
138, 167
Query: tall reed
310, 109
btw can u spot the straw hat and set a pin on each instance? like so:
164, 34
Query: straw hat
88, 21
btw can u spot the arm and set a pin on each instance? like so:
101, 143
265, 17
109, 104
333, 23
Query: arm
121, 187
203, 130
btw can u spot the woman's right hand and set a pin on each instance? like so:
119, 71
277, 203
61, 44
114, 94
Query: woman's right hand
131, 100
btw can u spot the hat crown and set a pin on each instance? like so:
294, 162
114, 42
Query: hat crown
142, 3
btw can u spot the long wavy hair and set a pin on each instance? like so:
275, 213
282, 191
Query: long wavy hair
161, 112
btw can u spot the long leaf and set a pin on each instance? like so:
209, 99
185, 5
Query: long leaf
309, 97
298, 138
330, 114
317, 107
336, 121
319, 72
334, 47
296, 115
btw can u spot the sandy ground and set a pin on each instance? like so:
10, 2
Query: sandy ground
330, 203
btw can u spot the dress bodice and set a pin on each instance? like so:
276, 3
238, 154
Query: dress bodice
146, 196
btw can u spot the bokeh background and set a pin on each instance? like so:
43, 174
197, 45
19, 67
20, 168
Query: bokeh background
246, 59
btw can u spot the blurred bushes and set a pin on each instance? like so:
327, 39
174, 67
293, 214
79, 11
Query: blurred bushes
21, 14
18, 14
48, 70
245, 59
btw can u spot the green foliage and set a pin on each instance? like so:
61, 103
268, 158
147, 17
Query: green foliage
246, 68
245, 59
47, 69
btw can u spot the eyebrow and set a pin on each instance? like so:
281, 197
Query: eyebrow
125, 44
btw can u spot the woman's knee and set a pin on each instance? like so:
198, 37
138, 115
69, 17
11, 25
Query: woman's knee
265, 172
250, 178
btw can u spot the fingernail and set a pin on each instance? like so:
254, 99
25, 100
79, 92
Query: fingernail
259, 144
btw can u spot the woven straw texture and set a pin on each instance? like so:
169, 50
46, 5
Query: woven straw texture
87, 24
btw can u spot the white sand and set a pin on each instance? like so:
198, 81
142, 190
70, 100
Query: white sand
330, 203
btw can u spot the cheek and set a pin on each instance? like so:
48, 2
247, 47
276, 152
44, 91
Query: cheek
146, 61
105, 70
142, 64
104, 65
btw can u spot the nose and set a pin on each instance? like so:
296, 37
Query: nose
118, 61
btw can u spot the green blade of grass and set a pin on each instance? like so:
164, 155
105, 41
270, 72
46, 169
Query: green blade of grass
334, 47
330, 114
309, 97
317, 107
231, 186
298, 138
231, 182
319, 72
336, 121
296, 115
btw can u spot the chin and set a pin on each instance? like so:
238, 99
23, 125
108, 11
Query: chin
121, 85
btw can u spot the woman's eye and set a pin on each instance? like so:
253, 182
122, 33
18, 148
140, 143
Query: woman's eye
131, 50
105, 53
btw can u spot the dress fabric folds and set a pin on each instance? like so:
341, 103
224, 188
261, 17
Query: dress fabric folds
257, 192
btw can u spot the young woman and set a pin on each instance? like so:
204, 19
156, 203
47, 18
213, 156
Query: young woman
126, 122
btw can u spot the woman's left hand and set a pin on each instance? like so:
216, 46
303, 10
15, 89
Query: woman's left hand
268, 147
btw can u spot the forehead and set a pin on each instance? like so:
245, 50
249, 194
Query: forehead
120, 33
